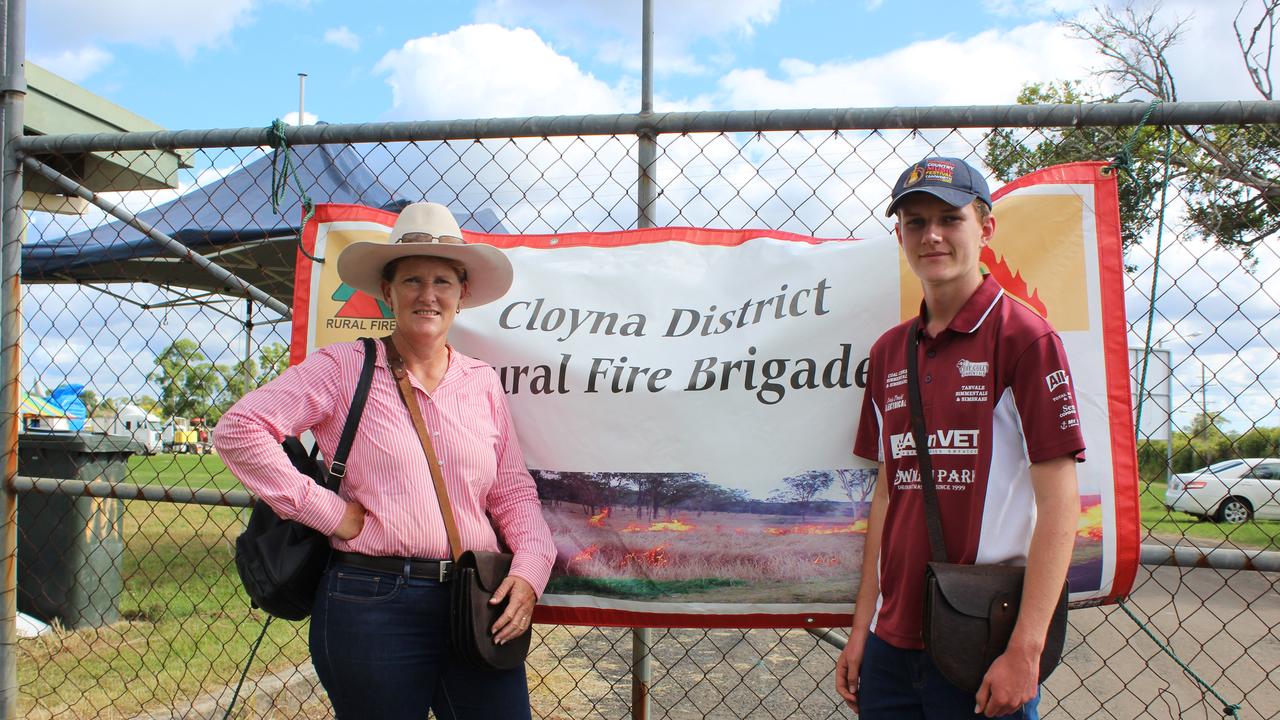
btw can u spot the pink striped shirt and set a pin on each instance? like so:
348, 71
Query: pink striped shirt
387, 472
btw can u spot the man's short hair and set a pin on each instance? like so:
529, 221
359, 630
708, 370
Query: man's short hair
982, 210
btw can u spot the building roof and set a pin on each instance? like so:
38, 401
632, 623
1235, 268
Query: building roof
57, 106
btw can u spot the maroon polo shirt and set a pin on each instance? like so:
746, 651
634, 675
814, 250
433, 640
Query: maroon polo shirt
997, 397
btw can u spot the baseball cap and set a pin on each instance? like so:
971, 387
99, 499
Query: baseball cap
952, 180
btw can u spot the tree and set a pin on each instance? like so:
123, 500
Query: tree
273, 359
802, 488
236, 380
1229, 177
656, 491
239, 379
1010, 156
91, 402
1208, 426
188, 382
1259, 442
857, 483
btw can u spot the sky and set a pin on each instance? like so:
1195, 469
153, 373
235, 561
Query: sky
234, 63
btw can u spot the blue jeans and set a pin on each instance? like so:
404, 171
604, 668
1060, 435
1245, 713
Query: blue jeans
897, 684
380, 645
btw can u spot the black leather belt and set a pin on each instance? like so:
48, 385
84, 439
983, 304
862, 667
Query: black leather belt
409, 567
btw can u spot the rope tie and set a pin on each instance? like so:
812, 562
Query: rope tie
252, 652
282, 169
1228, 709
1155, 273
1124, 162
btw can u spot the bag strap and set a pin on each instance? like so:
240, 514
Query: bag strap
338, 468
932, 515
396, 363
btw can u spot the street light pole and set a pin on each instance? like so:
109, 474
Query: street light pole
1204, 407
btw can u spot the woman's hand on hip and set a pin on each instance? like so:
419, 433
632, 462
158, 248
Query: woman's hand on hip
518, 615
352, 521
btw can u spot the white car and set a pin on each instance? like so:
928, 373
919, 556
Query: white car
1232, 491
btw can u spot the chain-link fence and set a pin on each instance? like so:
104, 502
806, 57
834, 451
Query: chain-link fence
130, 545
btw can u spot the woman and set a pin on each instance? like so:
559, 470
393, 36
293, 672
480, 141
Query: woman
379, 630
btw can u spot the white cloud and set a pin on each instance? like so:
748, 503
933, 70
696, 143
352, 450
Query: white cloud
490, 71
988, 68
1218, 319
1036, 8
611, 30
1206, 62
59, 26
1200, 75
291, 118
75, 65
342, 37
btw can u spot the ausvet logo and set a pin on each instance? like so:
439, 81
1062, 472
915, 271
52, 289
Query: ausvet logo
941, 442
969, 368
1056, 379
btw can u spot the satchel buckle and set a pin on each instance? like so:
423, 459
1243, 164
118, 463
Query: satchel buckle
446, 569
338, 469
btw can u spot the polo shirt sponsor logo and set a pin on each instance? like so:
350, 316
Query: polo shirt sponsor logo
909, 479
941, 442
1067, 409
1056, 379
894, 379
973, 393
896, 402
969, 368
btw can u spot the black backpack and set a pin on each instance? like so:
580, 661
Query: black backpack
280, 561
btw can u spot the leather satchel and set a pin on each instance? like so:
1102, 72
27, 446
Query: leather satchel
280, 561
476, 574
969, 610
969, 614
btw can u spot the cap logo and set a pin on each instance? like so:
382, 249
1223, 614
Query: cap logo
917, 174
937, 171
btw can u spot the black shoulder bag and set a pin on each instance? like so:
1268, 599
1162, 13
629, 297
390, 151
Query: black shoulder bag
280, 561
969, 610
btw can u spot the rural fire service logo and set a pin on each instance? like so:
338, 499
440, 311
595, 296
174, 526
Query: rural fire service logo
335, 311
1037, 256
356, 304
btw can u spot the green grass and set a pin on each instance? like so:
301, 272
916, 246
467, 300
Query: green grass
193, 471
1256, 534
186, 626
636, 588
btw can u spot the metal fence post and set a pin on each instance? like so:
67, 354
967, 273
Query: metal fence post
646, 196
14, 89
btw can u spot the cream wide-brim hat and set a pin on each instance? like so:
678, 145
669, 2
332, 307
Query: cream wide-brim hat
427, 229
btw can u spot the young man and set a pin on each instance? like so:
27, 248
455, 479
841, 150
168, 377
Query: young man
1004, 436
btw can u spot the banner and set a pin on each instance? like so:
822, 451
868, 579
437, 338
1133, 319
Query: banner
687, 398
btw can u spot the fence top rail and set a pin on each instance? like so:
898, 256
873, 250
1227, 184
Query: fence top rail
890, 118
